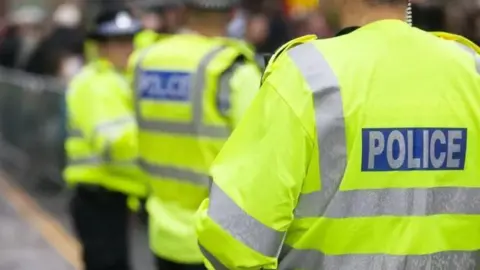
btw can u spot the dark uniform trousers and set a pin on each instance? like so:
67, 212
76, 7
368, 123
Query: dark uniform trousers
101, 222
163, 264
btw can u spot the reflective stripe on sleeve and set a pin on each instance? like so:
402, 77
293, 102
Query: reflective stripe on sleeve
108, 126
243, 227
330, 121
175, 173
314, 259
213, 261
196, 127
97, 160
75, 133
85, 161
111, 127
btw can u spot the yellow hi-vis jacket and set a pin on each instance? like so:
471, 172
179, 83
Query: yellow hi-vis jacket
102, 145
359, 152
191, 91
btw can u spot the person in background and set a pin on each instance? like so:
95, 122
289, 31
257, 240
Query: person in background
60, 53
102, 146
160, 19
278, 30
429, 16
8, 44
238, 25
24, 35
311, 22
191, 92
360, 152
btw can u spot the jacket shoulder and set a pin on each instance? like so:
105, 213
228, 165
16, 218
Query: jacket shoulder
464, 44
283, 49
459, 39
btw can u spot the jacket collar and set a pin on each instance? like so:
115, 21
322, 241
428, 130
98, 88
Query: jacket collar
346, 30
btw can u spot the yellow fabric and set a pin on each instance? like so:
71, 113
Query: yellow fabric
173, 203
222, 239
272, 157
146, 38
253, 163
287, 46
97, 98
245, 78
133, 204
464, 41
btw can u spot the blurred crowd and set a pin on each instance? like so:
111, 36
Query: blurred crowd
33, 40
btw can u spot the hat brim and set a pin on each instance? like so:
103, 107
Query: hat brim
99, 36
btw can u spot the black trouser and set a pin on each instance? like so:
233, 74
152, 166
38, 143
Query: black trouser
101, 219
163, 264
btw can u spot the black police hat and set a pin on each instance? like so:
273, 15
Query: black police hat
115, 24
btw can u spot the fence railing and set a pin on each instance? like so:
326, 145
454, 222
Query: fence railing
31, 126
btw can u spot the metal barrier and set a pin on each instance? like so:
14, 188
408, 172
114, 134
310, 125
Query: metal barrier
31, 126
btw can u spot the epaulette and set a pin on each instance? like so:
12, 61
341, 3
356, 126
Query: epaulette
247, 53
287, 46
459, 39
243, 47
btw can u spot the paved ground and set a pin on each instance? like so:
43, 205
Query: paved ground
35, 232
22, 247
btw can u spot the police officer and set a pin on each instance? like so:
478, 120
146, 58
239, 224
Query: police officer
102, 146
360, 152
192, 90
160, 18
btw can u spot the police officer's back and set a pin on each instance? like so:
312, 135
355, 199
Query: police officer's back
192, 90
102, 146
359, 152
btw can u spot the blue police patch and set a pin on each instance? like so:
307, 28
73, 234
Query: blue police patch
165, 85
406, 149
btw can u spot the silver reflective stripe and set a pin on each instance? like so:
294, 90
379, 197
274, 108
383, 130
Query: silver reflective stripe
243, 227
84, 161
182, 128
75, 133
332, 155
196, 127
395, 202
96, 160
475, 55
103, 127
112, 126
217, 265
330, 123
175, 173
225, 91
124, 163
314, 260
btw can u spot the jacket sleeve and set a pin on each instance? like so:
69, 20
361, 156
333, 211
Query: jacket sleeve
105, 117
257, 179
238, 87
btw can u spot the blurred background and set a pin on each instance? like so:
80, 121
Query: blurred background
42, 45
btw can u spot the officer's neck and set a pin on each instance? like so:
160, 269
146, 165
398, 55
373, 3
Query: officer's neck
361, 14
206, 30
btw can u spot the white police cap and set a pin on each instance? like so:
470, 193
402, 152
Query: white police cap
120, 23
148, 4
213, 4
